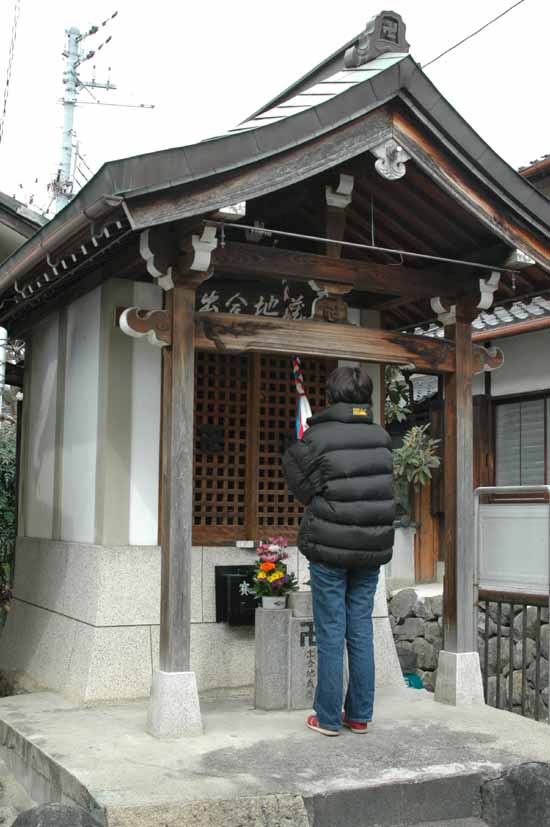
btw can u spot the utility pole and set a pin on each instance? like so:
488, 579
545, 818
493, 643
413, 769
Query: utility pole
74, 57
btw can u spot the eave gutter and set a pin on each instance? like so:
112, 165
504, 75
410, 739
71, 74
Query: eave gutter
47, 240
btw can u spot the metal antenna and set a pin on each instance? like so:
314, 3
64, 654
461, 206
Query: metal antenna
62, 187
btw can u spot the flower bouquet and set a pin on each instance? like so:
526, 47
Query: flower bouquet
272, 581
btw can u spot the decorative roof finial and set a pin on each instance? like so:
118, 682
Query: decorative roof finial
383, 33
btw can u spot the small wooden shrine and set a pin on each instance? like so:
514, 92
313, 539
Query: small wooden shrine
356, 206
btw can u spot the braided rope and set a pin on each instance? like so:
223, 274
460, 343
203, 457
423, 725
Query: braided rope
298, 375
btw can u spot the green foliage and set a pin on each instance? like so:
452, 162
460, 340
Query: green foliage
7, 513
396, 406
414, 461
7, 486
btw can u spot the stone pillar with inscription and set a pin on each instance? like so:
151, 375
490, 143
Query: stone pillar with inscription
286, 656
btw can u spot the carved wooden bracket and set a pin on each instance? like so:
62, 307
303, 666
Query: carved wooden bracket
337, 198
341, 195
153, 325
159, 251
330, 306
391, 159
203, 247
487, 358
487, 288
445, 315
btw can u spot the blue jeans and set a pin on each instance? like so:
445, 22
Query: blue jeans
343, 601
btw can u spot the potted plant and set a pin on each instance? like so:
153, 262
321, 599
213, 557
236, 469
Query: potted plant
271, 581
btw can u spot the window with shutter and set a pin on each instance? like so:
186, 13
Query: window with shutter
245, 409
521, 444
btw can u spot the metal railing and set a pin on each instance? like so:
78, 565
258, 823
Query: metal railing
515, 673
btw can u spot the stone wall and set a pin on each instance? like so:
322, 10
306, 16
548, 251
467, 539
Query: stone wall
417, 624
513, 626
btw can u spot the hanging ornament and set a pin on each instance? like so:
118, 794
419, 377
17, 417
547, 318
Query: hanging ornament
304, 409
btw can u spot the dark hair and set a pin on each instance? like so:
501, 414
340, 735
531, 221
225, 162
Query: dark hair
349, 385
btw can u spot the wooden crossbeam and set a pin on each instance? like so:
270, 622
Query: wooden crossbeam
272, 262
235, 334
230, 333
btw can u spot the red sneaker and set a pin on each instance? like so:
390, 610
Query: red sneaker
313, 723
354, 726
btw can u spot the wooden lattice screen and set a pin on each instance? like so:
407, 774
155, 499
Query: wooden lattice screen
221, 388
278, 512
245, 409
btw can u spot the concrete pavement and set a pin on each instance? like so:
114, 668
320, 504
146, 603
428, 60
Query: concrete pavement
420, 762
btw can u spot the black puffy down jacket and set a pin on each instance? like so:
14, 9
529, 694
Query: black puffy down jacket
342, 470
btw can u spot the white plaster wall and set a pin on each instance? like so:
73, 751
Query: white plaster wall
80, 419
526, 365
144, 464
40, 431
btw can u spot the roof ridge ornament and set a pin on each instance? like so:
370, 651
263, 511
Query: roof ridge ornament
385, 32
391, 159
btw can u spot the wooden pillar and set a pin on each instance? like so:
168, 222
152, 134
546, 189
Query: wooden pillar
177, 483
458, 592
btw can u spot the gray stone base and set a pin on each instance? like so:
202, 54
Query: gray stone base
459, 680
174, 708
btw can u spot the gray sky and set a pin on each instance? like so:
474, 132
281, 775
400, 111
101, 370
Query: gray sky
206, 66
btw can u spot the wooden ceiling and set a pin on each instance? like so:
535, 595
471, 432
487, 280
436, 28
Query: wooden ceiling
411, 214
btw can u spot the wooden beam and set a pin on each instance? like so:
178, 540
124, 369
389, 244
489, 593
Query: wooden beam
458, 588
446, 172
261, 176
236, 334
177, 483
272, 262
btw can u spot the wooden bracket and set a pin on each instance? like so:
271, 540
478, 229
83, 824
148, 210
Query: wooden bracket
153, 325
487, 289
487, 359
203, 247
445, 315
159, 251
337, 198
329, 306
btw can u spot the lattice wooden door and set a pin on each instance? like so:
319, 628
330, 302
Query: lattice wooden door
277, 510
221, 388
245, 408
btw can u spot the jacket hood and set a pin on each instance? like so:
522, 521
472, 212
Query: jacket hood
344, 412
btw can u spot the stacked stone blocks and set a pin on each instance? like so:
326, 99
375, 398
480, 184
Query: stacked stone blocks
417, 626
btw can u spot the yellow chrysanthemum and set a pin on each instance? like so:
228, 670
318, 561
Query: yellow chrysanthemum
261, 575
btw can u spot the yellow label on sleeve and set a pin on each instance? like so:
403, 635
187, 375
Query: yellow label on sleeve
359, 411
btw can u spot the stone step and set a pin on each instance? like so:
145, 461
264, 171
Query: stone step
455, 822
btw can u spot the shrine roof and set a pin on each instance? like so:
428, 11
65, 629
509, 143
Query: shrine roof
320, 91
356, 84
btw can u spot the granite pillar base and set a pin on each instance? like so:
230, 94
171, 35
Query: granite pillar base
174, 709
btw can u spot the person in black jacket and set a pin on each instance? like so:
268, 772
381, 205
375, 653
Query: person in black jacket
342, 470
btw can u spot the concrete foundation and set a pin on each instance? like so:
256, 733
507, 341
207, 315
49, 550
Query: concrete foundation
459, 680
420, 762
84, 621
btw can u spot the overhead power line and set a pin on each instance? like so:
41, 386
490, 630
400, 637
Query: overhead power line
473, 34
16, 11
